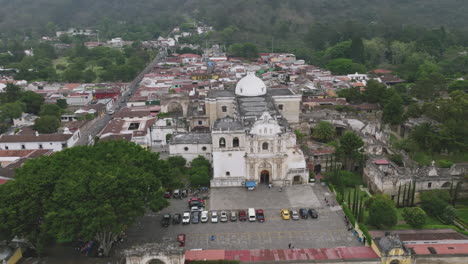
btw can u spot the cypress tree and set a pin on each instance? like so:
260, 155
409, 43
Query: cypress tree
326, 164
398, 196
361, 210
455, 195
414, 193
451, 193
404, 196
355, 200
408, 199
349, 198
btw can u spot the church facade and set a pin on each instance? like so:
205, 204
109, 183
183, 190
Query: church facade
252, 140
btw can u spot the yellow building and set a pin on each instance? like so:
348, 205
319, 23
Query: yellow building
391, 250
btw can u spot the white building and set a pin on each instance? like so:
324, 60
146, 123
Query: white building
251, 137
190, 146
25, 120
55, 142
163, 130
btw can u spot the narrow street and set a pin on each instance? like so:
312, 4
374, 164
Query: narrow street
87, 137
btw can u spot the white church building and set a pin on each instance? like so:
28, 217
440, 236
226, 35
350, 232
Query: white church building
251, 138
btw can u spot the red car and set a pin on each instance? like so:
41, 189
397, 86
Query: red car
168, 194
260, 215
242, 215
196, 202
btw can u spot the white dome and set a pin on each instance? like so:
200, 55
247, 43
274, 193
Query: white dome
250, 85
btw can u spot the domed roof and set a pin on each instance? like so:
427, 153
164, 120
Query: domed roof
250, 85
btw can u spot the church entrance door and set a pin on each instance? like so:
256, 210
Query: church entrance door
265, 177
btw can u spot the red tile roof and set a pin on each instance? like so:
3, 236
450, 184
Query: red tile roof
381, 162
444, 249
272, 255
2, 181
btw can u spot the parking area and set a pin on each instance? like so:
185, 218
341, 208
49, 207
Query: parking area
328, 230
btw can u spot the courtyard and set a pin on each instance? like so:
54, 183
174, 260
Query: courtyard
327, 231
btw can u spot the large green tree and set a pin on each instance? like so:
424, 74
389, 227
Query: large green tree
87, 192
324, 131
382, 212
349, 149
50, 110
393, 110
47, 124
345, 66
11, 110
33, 101
434, 202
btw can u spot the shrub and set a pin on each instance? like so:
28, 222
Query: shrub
448, 214
434, 202
364, 230
397, 159
445, 163
348, 214
414, 216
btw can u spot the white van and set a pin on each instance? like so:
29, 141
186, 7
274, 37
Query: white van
252, 217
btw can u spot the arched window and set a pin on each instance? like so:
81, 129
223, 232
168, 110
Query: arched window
222, 143
265, 146
280, 107
235, 142
446, 185
228, 173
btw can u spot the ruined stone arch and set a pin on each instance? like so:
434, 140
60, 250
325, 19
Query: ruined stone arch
155, 261
446, 185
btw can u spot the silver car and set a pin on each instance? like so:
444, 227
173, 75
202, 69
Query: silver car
294, 215
214, 217
223, 217
233, 216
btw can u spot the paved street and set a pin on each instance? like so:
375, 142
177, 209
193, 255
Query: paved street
103, 120
327, 231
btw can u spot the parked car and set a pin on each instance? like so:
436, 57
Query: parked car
233, 216
196, 202
195, 217
166, 220
186, 218
285, 214
181, 239
183, 193
167, 194
303, 212
252, 215
196, 209
242, 215
176, 194
110, 112
204, 216
313, 213
223, 217
176, 219
214, 217
260, 215
294, 215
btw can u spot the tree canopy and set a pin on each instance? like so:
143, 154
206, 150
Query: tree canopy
324, 131
382, 212
88, 192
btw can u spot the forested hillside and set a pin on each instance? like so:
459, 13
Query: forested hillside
279, 17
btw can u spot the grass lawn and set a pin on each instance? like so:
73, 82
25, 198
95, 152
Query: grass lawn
462, 211
431, 223
424, 158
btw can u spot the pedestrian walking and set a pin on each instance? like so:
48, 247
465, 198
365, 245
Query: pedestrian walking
289, 245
